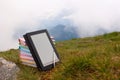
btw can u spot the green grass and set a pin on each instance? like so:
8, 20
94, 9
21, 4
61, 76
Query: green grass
92, 58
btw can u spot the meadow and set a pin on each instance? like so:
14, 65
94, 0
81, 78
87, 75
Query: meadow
91, 58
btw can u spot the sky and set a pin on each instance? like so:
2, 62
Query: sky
89, 17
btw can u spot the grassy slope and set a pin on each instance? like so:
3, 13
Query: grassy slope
96, 58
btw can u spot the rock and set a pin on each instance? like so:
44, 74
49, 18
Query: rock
8, 70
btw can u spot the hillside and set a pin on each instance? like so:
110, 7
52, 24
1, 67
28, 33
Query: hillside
92, 58
61, 32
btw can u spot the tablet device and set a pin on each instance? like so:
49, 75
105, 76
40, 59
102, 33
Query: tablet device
42, 49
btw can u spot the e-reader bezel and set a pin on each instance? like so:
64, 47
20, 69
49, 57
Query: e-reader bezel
34, 51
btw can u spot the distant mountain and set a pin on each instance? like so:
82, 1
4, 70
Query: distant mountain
61, 32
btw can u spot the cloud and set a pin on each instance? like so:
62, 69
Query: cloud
89, 17
23, 14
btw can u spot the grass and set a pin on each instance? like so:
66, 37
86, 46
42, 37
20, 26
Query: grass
92, 58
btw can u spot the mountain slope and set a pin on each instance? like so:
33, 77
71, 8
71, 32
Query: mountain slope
61, 32
92, 58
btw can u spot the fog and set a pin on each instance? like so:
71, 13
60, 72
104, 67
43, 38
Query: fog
88, 17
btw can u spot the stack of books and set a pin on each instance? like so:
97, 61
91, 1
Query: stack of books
52, 38
25, 54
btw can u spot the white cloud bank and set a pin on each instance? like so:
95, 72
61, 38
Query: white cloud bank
14, 13
89, 16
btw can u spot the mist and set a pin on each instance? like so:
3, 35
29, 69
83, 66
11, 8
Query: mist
88, 17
